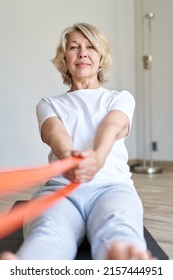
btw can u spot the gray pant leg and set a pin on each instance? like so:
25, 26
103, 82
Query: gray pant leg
55, 234
116, 216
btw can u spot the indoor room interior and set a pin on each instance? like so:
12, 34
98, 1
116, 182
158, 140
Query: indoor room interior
140, 34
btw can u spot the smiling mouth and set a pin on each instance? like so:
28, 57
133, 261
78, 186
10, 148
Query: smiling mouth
82, 64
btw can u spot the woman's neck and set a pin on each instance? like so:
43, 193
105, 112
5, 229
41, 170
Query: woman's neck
83, 84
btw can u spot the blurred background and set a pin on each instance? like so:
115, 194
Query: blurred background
29, 34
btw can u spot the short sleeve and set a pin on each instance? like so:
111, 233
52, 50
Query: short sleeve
44, 110
125, 102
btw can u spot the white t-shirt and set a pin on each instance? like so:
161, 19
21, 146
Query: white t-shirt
81, 111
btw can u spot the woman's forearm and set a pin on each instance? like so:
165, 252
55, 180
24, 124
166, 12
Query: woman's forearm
113, 127
56, 136
103, 142
61, 144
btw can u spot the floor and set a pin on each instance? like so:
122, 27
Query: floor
156, 192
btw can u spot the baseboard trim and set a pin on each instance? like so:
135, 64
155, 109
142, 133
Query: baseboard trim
159, 163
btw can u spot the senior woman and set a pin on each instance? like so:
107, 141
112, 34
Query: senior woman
92, 122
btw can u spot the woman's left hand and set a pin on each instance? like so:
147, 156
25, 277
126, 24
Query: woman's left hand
86, 169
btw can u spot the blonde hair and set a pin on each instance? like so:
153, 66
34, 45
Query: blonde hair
97, 39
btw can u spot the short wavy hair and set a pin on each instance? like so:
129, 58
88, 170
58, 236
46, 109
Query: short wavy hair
97, 39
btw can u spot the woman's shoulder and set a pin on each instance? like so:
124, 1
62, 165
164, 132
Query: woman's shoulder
118, 94
122, 92
54, 98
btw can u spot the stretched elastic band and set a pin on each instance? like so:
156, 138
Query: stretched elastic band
26, 212
14, 180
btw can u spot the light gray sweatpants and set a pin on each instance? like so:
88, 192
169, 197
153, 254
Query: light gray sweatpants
105, 213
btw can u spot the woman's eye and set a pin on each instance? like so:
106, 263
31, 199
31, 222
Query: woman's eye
73, 48
91, 47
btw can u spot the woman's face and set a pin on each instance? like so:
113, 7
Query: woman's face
81, 57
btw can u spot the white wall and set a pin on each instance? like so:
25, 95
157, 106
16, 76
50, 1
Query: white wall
29, 33
161, 78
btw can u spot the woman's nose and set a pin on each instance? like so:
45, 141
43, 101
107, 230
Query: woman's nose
82, 53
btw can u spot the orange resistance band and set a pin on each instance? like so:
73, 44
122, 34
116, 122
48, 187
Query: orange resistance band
16, 179
13, 180
27, 211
